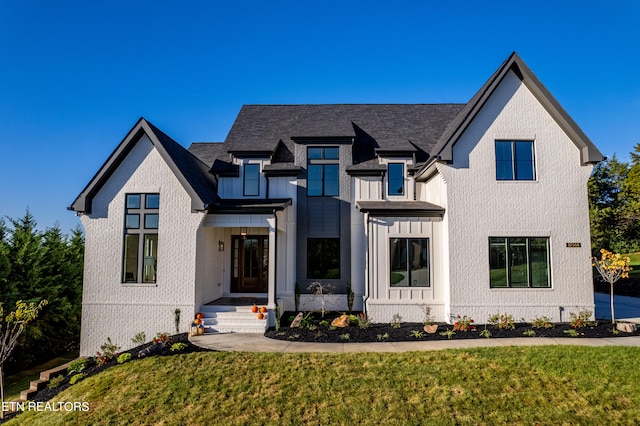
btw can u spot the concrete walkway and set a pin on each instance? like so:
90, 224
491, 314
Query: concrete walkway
244, 342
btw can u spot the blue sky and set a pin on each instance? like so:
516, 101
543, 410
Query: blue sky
76, 75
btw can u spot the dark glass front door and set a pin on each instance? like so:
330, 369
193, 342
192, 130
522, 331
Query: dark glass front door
250, 264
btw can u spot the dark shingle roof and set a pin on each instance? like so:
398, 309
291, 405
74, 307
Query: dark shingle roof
208, 152
388, 127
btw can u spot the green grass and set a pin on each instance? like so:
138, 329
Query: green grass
635, 264
18, 382
512, 385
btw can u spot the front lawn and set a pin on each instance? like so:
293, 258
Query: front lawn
513, 385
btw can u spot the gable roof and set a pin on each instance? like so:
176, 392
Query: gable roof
191, 172
443, 149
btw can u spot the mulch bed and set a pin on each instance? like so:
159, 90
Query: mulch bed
376, 332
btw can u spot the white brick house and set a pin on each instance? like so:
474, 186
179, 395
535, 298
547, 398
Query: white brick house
472, 209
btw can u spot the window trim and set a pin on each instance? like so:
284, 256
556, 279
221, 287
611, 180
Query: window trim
514, 160
246, 167
410, 284
142, 233
508, 268
323, 162
402, 175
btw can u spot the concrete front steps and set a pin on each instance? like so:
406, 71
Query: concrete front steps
232, 319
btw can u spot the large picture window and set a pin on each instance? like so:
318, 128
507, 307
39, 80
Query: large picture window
140, 253
323, 258
409, 262
521, 262
515, 160
322, 172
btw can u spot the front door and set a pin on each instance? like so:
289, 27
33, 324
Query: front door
250, 264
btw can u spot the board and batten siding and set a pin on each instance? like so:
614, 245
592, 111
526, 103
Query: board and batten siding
118, 311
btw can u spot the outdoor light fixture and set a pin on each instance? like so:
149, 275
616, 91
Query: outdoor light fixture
220, 245
243, 231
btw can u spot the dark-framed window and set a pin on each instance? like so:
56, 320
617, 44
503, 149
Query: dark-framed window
323, 258
409, 262
251, 179
519, 262
515, 160
140, 251
395, 172
323, 171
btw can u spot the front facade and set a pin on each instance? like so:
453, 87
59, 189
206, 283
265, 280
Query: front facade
470, 209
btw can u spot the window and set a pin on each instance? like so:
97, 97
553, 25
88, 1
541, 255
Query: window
515, 160
396, 178
251, 179
140, 257
409, 262
323, 258
322, 172
521, 262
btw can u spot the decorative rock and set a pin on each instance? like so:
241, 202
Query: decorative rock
431, 328
296, 321
626, 327
151, 350
341, 322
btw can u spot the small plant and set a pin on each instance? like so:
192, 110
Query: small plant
307, 320
464, 323
541, 322
417, 334
312, 327
529, 333
178, 347
55, 382
448, 333
502, 321
77, 366
76, 378
176, 319
350, 297
139, 339
163, 338
345, 336
581, 319
363, 321
615, 331
296, 297
396, 321
332, 328
276, 313
294, 336
572, 332
124, 357
281, 333
353, 319
381, 337
485, 333
109, 352
324, 323
322, 290
426, 310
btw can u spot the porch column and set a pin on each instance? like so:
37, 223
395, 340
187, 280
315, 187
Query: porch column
271, 296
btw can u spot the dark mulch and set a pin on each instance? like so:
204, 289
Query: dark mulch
92, 368
323, 334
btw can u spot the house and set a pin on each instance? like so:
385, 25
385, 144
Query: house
470, 209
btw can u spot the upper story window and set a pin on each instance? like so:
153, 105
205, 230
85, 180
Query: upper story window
251, 179
323, 171
140, 254
395, 178
515, 160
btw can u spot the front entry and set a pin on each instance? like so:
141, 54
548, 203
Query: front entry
249, 263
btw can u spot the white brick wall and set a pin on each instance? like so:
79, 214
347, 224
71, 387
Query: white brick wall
116, 310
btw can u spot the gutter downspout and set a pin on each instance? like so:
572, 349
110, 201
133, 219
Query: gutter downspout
365, 296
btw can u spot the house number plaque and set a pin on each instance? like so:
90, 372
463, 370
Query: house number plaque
574, 244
